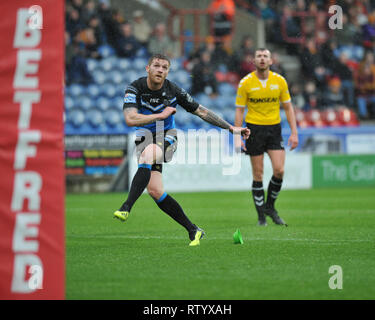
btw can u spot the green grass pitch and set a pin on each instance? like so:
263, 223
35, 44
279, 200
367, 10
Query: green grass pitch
148, 256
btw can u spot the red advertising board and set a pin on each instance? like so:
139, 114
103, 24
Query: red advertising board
32, 246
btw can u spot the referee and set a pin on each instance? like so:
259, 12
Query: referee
261, 92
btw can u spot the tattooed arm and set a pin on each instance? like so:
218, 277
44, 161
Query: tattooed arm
212, 118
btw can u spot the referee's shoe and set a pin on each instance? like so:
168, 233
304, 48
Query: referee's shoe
261, 217
272, 213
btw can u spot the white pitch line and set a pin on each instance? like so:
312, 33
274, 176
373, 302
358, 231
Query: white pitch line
217, 238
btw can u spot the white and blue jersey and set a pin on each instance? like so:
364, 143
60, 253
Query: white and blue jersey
147, 101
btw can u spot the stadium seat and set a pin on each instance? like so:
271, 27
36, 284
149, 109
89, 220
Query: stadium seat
301, 119
106, 51
283, 115
130, 76
142, 53
99, 76
117, 102
122, 63
68, 102
176, 64
315, 117
330, 116
139, 64
94, 117
353, 52
103, 103
182, 78
120, 89
107, 64
226, 88
224, 102
92, 64
84, 102
116, 77
347, 117
228, 115
204, 100
93, 90
75, 90
182, 117
113, 117
108, 90
75, 117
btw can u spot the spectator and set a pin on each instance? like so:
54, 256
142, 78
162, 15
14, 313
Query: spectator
203, 76
69, 51
246, 65
312, 66
88, 11
161, 43
296, 93
292, 30
292, 23
340, 68
246, 47
217, 56
266, 12
349, 34
333, 96
327, 54
222, 14
127, 45
276, 64
77, 5
311, 95
94, 23
77, 71
87, 38
365, 85
141, 28
369, 30
111, 20
73, 22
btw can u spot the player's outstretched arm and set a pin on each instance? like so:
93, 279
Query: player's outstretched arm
133, 118
212, 118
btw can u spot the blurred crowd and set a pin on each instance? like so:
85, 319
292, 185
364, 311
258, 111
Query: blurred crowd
93, 25
337, 66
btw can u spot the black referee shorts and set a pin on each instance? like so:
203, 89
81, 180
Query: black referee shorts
263, 138
166, 140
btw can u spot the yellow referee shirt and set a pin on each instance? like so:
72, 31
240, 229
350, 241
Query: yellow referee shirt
262, 98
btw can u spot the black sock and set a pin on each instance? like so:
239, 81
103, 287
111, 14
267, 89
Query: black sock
273, 191
138, 185
171, 207
258, 194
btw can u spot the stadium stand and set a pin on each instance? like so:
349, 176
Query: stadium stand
327, 91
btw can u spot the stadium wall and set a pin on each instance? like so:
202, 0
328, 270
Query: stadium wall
205, 161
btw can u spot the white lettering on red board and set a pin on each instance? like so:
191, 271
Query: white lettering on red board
26, 199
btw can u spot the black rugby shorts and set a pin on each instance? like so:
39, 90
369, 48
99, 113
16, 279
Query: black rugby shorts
263, 138
166, 140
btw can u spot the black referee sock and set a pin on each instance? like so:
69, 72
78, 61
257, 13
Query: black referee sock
274, 188
258, 194
171, 207
138, 185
